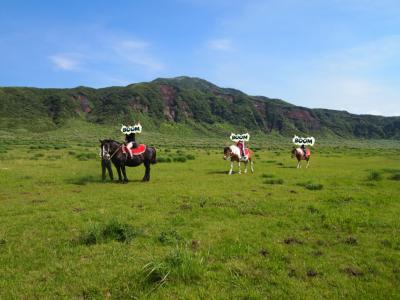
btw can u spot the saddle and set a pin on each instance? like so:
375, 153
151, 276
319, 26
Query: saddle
141, 148
246, 155
308, 153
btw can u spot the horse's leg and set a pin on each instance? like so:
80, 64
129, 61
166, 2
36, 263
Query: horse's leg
106, 166
110, 171
240, 170
230, 171
118, 166
146, 176
251, 166
298, 164
308, 162
245, 167
123, 168
103, 169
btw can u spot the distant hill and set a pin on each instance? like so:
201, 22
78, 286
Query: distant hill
183, 100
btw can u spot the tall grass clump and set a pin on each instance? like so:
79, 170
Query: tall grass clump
114, 230
311, 186
374, 176
180, 265
273, 181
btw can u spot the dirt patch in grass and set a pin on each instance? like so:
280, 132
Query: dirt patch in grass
351, 241
311, 273
353, 271
38, 201
292, 241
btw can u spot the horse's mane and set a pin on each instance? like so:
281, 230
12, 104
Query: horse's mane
110, 141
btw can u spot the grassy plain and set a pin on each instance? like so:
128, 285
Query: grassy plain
330, 231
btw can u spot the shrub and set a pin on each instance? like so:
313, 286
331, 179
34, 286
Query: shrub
311, 186
190, 157
395, 176
180, 159
162, 159
314, 186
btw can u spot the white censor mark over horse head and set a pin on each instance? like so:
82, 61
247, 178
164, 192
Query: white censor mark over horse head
137, 128
308, 141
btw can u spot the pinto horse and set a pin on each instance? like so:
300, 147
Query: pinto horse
114, 151
299, 153
232, 153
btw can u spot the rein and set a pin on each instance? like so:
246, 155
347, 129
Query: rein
115, 152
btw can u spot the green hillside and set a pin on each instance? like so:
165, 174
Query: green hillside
183, 100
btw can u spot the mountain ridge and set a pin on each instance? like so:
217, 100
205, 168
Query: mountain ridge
183, 100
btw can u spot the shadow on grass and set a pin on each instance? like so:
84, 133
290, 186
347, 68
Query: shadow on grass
218, 172
84, 180
287, 167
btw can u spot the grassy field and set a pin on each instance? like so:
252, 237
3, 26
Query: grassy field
331, 231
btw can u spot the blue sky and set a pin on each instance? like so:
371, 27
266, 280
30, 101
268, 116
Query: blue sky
335, 54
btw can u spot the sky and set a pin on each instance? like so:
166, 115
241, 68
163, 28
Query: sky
337, 54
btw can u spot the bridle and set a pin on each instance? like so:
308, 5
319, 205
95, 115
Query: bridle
228, 155
106, 152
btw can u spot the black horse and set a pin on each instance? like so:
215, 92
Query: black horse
112, 151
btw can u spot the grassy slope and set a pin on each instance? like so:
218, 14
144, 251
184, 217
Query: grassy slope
209, 234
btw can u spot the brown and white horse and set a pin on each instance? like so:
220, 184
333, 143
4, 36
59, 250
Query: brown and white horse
299, 153
232, 153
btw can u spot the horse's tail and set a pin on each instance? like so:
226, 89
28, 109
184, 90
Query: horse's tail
153, 159
251, 156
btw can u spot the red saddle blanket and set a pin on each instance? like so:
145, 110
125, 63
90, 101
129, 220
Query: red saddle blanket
246, 152
308, 152
135, 151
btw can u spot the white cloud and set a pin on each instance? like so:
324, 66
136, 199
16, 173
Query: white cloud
67, 61
222, 44
136, 52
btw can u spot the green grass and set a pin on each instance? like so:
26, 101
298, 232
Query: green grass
193, 231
